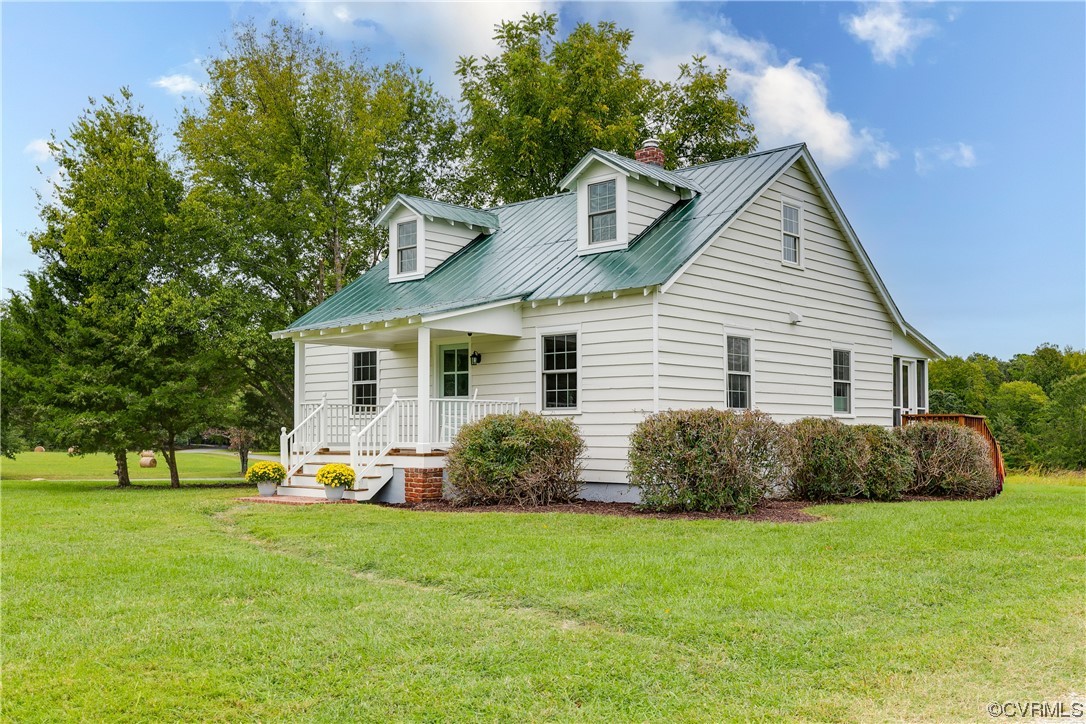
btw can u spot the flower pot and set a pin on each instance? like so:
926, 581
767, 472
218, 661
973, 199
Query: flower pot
267, 488
334, 492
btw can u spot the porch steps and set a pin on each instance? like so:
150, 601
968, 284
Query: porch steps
304, 482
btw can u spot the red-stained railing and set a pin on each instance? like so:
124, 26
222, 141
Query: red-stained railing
978, 423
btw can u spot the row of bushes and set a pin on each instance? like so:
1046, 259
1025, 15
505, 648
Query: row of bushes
713, 460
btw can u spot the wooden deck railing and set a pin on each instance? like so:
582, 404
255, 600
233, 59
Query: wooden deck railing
977, 423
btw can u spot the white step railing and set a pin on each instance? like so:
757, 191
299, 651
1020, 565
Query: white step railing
371, 443
299, 445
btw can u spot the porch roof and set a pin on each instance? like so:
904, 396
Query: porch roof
533, 254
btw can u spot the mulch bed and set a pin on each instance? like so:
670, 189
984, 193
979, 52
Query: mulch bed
775, 511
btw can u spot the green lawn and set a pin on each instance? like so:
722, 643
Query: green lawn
152, 604
61, 466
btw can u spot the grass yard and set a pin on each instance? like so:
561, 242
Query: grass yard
153, 603
99, 466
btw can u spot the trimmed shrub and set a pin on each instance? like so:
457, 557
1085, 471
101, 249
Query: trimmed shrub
830, 460
950, 461
707, 460
889, 469
525, 459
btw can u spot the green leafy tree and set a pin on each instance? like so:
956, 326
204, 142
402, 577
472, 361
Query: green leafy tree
1013, 410
293, 153
100, 324
1045, 366
1064, 424
697, 120
538, 105
964, 379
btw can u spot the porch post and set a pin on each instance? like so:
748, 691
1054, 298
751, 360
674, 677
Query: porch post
423, 443
299, 380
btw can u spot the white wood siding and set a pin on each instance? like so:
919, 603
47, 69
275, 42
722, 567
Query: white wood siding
646, 203
740, 282
444, 239
327, 371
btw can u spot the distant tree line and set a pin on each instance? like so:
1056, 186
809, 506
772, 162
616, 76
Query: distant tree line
161, 277
1035, 403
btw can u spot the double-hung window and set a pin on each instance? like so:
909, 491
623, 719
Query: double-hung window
602, 213
790, 228
407, 246
842, 381
559, 371
739, 372
364, 380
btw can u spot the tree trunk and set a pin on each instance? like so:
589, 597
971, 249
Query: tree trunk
169, 451
243, 453
121, 458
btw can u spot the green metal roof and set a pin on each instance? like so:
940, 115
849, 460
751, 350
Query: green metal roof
439, 210
630, 166
533, 255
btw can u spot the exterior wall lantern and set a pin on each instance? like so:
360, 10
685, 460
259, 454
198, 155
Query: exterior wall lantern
476, 358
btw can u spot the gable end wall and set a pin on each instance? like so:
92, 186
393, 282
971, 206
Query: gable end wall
740, 282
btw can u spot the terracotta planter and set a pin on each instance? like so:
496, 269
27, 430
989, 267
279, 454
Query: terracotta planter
334, 492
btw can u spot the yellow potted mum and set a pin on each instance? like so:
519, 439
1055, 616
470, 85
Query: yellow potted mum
267, 476
335, 477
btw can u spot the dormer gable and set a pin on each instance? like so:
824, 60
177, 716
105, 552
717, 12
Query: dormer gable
422, 233
618, 198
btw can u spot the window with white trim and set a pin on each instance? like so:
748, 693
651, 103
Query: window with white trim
842, 381
739, 372
602, 212
407, 244
790, 232
364, 380
559, 371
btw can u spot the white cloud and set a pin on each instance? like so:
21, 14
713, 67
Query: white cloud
38, 149
179, 84
957, 154
430, 35
788, 101
889, 30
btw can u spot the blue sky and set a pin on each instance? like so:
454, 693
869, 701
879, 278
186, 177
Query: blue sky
954, 135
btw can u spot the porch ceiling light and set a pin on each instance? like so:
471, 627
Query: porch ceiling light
476, 358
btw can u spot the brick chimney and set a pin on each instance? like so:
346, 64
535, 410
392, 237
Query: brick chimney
650, 152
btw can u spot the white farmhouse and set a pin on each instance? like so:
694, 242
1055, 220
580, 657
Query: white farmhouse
733, 284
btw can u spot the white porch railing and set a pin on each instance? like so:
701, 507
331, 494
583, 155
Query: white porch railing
340, 418
397, 425
449, 415
370, 433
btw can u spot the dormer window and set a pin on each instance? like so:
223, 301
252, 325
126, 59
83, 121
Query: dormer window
602, 212
407, 242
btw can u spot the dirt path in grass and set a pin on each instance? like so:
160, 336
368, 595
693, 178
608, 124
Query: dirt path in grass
225, 522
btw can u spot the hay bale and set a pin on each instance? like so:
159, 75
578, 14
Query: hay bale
39, 448
147, 454
148, 462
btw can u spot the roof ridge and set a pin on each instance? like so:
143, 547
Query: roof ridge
740, 158
439, 201
529, 201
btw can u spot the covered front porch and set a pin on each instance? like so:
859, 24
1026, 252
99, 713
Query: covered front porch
395, 394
